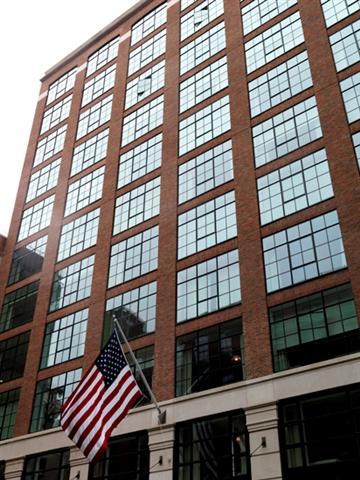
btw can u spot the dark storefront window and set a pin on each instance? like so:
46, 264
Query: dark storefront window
47, 466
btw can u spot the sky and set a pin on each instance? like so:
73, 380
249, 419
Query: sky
34, 36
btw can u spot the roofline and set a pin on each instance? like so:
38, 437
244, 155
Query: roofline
122, 18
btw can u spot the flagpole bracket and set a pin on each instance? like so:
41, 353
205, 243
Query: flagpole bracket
162, 417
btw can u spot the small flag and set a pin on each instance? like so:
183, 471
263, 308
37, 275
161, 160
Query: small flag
100, 401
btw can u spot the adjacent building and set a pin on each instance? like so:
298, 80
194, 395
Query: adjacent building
193, 168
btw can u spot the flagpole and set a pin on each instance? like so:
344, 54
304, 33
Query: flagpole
161, 415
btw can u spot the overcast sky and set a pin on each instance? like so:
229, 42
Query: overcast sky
34, 35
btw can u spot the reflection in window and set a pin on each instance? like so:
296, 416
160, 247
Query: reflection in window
72, 283
64, 339
18, 307
89, 152
294, 187
56, 114
205, 172
94, 117
8, 407
320, 436
27, 260
145, 358
102, 56
273, 42
356, 143
135, 311
43, 180
200, 16
84, 191
127, 457
304, 251
314, 328
149, 23
36, 218
50, 146
345, 45
98, 85
350, 92
209, 358
291, 129
258, 12
204, 125
147, 52
213, 448
54, 465
208, 286
145, 84
336, 10
50, 394
61, 86
202, 48
134, 257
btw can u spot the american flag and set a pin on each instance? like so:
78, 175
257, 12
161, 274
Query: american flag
100, 401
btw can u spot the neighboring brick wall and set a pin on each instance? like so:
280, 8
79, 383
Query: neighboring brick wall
2, 247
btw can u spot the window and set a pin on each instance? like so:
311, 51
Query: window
72, 283
356, 143
203, 84
64, 339
350, 89
147, 52
149, 23
204, 125
213, 447
319, 435
294, 187
8, 407
291, 129
102, 56
27, 260
139, 161
200, 16
50, 394
145, 84
137, 206
98, 85
127, 455
145, 358
56, 114
94, 117
90, 152
208, 286
280, 84
78, 235
36, 218
273, 42
209, 358
314, 328
43, 180
61, 86
84, 191
202, 48
336, 10
207, 225
54, 465
186, 3
205, 172
259, 12
135, 310
13, 356
304, 251
50, 146
345, 45
133, 257
143, 120
18, 307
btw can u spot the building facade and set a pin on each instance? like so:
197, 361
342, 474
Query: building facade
193, 168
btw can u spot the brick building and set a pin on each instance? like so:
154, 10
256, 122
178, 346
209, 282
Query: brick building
194, 167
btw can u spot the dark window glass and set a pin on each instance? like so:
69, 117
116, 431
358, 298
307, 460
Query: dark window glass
209, 358
213, 448
8, 407
50, 394
314, 328
2, 470
127, 458
13, 356
27, 260
145, 358
18, 307
320, 435
53, 465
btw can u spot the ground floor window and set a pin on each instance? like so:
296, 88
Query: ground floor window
212, 448
47, 466
320, 435
127, 458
